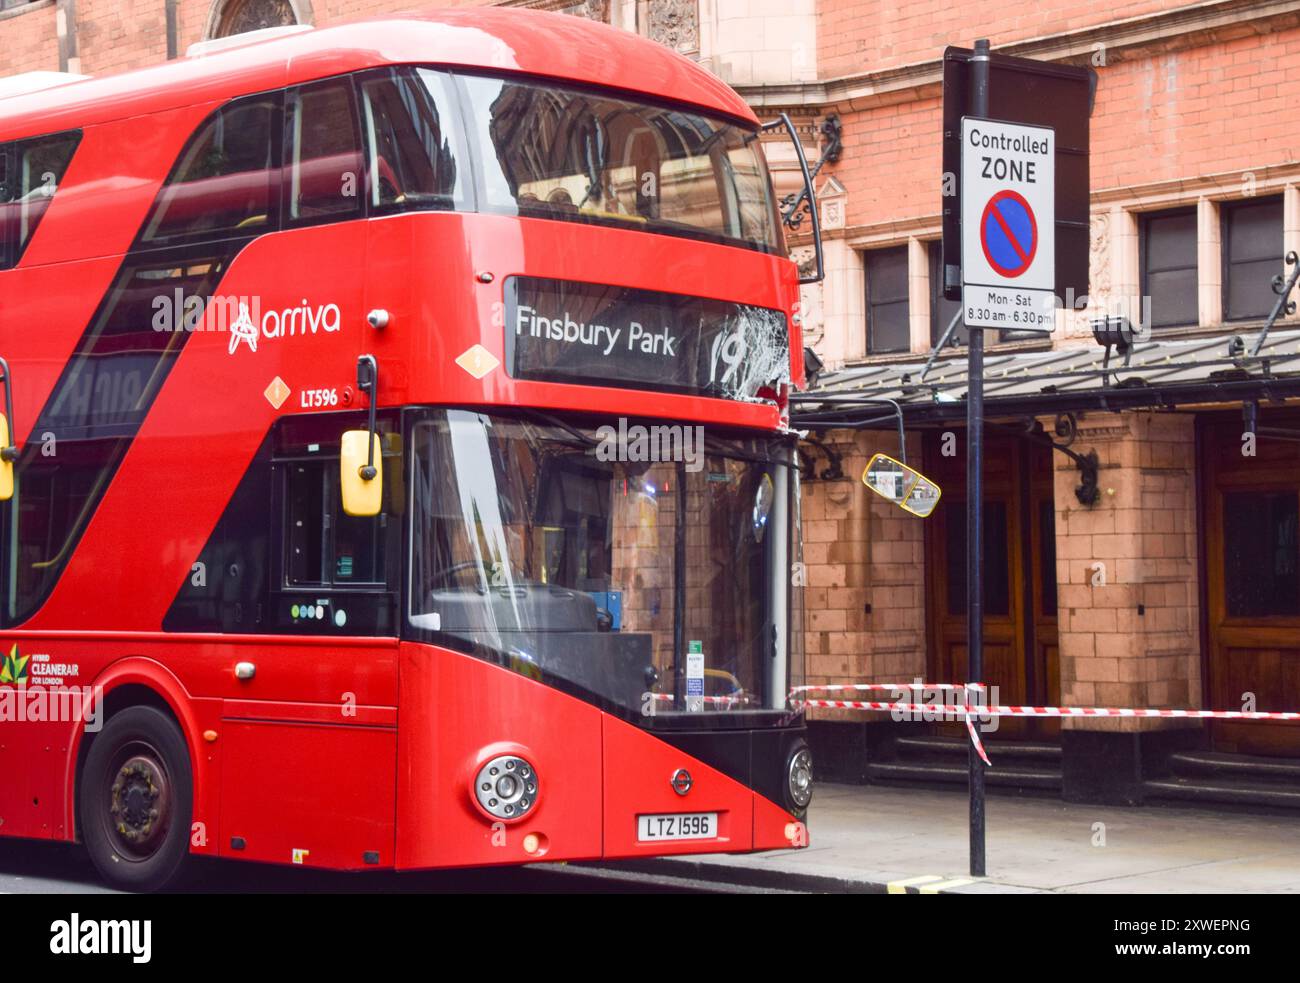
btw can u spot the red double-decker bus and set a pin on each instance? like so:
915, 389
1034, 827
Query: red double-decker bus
395, 471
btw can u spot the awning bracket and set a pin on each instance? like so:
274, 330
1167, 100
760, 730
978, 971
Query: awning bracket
834, 470
1282, 286
1066, 428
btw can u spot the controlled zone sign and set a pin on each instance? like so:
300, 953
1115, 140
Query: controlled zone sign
1008, 223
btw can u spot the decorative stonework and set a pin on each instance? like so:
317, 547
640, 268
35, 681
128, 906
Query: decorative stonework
833, 199
1099, 256
590, 9
805, 258
1099, 277
675, 24
229, 17
597, 10
810, 296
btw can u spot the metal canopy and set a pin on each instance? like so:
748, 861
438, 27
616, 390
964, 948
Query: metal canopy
1203, 370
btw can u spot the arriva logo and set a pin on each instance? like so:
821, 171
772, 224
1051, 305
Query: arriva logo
288, 323
242, 317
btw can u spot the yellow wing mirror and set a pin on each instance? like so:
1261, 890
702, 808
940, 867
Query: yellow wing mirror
361, 475
907, 488
6, 461
359, 456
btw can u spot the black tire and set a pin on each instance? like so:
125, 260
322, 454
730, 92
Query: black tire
136, 801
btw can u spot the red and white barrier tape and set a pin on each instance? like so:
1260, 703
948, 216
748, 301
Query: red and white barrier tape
967, 710
964, 709
728, 701
993, 710
1000, 710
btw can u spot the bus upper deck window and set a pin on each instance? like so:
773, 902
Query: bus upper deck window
579, 155
8, 209
324, 153
30, 174
413, 141
223, 184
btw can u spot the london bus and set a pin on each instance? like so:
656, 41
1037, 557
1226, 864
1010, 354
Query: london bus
395, 455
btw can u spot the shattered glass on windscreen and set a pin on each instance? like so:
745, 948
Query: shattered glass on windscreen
753, 355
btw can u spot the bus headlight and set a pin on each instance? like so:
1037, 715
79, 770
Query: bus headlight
799, 777
506, 787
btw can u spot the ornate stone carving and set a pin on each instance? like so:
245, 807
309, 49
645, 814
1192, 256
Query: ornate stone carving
834, 200
240, 16
1099, 256
675, 24
810, 296
590, 9
1077, 322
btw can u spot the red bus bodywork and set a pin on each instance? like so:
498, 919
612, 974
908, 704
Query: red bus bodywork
278, 774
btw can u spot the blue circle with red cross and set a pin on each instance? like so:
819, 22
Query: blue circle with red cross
1009, 233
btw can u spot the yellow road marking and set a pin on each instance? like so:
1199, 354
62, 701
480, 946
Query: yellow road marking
900, 887
946, 885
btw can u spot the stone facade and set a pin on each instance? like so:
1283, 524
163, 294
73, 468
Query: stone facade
1126, 571
1191, 112
865, 597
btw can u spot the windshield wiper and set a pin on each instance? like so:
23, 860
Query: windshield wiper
595, 163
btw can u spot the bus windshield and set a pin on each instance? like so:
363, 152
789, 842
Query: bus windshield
560, 551
571, 154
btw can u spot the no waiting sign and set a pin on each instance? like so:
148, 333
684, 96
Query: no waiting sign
1008, 222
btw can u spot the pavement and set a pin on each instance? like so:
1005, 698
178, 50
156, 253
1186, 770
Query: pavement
864, 839
872, 839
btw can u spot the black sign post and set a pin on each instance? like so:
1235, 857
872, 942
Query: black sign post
974, 506
1012, 90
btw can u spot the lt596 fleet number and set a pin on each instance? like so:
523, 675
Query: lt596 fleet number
314, 399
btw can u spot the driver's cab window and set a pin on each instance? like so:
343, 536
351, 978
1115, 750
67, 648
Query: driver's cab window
336, 573
324, 545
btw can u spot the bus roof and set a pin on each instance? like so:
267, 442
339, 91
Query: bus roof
559, 46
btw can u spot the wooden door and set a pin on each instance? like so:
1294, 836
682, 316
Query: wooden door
1020, 633
1251, 573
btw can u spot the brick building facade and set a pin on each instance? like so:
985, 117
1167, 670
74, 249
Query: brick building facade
1178, 586
1145, 598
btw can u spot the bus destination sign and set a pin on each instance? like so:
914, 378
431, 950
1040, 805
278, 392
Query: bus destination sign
594, 334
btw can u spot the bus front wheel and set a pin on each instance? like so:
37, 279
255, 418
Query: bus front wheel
137, 800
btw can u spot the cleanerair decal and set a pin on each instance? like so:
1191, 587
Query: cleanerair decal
13, 668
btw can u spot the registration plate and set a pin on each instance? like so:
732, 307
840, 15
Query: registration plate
677, 826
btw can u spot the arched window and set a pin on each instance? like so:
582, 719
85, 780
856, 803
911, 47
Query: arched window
229, 17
